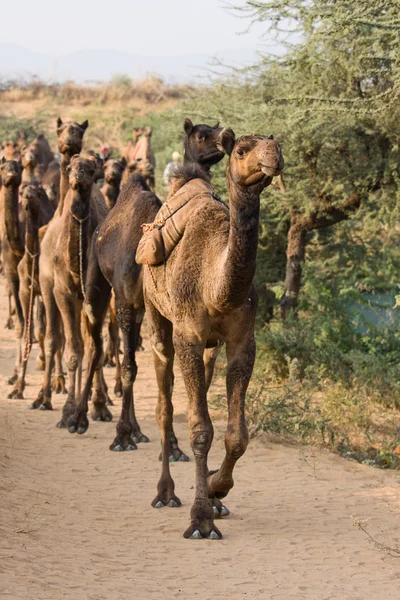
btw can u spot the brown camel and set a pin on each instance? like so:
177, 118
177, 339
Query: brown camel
10, 150
44, 155
12, 244
113, 171
201, 298
113, 265
82, 213
38, 212
51, 183
70, 138
30, 163
140, 156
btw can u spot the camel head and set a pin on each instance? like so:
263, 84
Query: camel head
70, 136
136, 133
28, 157
201, 143
91, 154
31, 195
10, 150
253, 159
113, 170
51, 192
81, 173
11, 171
147, 131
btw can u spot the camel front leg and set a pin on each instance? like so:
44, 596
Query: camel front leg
19, 386
40, 331
70, 309
241, 356
51, 345
19, 325
163, 354
190, 355
128, 430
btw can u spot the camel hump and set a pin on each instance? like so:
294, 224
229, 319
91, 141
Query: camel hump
160, 237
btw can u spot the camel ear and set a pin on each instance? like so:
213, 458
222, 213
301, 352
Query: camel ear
59, 122
271, 137
188, 127
24, 148
3, 160
123, 161
226, 141
84, 125
216, 125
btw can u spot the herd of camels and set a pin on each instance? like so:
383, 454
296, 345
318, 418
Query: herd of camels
73, 253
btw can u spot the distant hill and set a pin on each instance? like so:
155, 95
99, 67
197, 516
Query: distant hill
85, 65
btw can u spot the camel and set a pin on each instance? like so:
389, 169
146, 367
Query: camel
30, 163
113, 265
12, 244
51, 182
82, 213
70, 138
10, 150
44, 155
38, 212
140, 156
113, 171
197, 300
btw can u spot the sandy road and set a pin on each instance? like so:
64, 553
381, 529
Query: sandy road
76, 521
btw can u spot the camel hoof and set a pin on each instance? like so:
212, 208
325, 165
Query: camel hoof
12, 379
213, 535
15, 395
109, 402
9, 324
196, 535
40, 363
140, 438
61, 425
173, 503
100, 412
220, 512
118, 393
123, 444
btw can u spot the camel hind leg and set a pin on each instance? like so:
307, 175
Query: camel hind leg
163, 354
40, 332
98, 292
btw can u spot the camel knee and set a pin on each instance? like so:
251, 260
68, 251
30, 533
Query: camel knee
201, 441
236, 443
73, 362
128, 374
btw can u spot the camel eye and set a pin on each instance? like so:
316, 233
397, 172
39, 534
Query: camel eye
240, 152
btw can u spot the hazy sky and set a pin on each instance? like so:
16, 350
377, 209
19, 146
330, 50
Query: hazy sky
151, 27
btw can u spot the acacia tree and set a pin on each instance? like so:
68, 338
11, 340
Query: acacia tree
332, 99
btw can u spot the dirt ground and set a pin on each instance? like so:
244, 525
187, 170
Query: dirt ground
76, 521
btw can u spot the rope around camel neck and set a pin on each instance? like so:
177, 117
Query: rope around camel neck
28, 336
81, 221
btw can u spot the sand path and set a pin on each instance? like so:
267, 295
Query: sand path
76, 521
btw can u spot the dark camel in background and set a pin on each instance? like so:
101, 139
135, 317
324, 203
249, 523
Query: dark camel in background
201, 299
113, 266
38, 212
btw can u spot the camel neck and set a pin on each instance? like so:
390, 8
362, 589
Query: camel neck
11, 219
64, 181
28, 174
239, 258
78, 218
31, 235
110, 193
